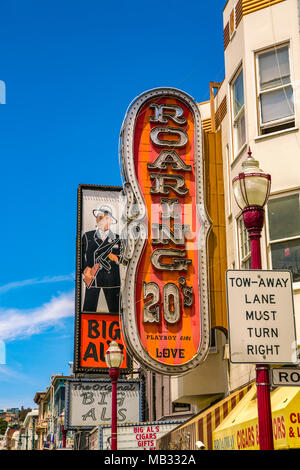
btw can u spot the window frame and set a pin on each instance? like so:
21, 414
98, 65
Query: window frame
235, 119
232, 23
275, 125
244, 260
296, 284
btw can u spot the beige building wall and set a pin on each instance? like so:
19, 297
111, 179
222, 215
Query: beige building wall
277, 152
258, 26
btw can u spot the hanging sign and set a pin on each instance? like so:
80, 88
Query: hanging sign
285, 376
88, 402
99, 273
165, 297
137, 436
261, 317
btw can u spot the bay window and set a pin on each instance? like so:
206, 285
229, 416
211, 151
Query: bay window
275, 91
284, 233
244, 243
238, 112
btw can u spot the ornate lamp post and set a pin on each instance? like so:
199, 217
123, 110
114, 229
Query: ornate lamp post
64, 432
251, 190
114, 358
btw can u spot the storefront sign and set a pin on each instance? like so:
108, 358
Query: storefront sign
286, 377
261, 317
99, 273
241, 432
165, 299
138, 436
88, 402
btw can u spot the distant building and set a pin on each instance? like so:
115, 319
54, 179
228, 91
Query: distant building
50, 422
11, 439
28, 437
2, 442
11, 415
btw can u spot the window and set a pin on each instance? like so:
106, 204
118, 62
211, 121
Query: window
238, 113
180, 407
275, 92
245, 248
153, 396
284, 233
231, 23
213, 342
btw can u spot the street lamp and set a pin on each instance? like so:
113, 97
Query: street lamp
64, 432
114, 358
251, 190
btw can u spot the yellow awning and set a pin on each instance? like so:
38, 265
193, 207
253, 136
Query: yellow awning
239, 430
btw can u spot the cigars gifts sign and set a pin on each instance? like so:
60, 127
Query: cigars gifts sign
165, 312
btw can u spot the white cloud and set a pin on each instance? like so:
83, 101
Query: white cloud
34, 281
19, 323
9, 374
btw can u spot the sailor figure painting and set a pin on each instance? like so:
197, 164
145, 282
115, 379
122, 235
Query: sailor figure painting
100, 257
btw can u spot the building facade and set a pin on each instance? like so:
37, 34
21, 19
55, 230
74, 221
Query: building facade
256, 105
27, 440
51, 411
262, 70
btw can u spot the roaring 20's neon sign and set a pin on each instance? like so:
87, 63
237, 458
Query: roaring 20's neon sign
165, 309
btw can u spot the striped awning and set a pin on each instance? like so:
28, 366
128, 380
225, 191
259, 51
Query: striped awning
240, 431
201, 426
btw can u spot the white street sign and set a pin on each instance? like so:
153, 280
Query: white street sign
261, 317
286, 377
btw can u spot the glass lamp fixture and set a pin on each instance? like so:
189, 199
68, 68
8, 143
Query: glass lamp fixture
251, 191
252, 186
114, 356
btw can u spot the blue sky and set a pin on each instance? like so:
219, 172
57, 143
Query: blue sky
70, 70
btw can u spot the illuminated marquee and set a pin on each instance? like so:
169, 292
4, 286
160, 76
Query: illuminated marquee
165, 296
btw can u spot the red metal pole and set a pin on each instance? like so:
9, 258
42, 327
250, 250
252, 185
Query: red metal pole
64, 433
254, 219
114, 373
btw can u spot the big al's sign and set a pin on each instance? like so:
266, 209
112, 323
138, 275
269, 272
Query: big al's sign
165, 300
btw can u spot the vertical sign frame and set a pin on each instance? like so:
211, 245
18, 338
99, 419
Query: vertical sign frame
98, 263
165, 302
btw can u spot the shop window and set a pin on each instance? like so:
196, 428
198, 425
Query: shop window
153, 396
180, 407
284, 233
244, 244
213, 342
238, 112
275, 91
232, 23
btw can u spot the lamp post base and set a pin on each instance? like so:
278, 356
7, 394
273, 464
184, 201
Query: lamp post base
114, 373
264, 407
